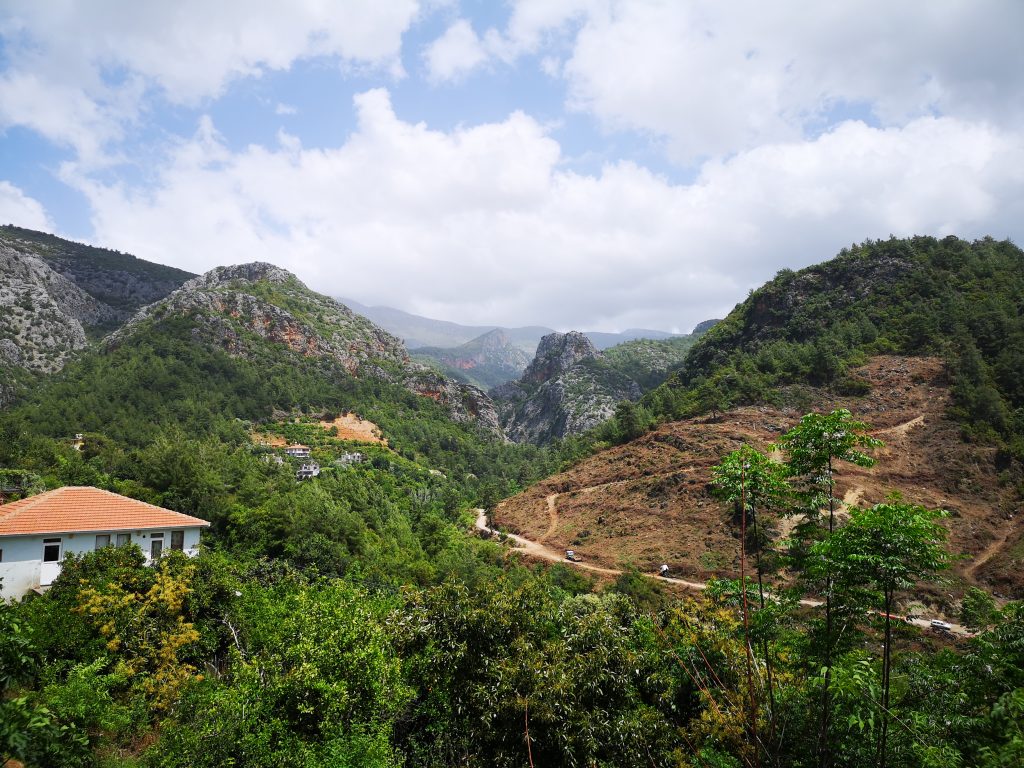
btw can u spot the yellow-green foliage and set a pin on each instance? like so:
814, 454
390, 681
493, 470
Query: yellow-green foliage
147, 631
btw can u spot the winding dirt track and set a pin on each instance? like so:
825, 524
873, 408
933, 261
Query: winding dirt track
552, 517
989, 552
542, 552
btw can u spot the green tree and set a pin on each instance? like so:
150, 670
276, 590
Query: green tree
751, 482
887, 547
813, 448
712, 398
629, 422
29, 731
978, 609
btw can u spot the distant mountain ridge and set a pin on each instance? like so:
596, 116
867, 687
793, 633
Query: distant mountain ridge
418, 331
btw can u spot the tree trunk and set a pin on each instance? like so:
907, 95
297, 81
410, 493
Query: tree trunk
824, 750
746, 616
764, 644
886, 667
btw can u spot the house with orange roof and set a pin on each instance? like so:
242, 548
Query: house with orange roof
36, 533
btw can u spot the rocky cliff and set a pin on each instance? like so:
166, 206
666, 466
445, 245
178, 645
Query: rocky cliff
244, 308
120, 281
43, 315
232, 305
567, 389
56, 294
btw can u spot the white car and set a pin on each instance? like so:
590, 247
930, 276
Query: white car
939, 624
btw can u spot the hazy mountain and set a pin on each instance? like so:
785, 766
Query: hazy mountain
486, 361
418, 331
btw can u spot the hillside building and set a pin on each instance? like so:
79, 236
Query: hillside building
298, 451
308, 470
36, 533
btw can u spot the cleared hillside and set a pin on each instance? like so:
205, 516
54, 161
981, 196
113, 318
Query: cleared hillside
649, 502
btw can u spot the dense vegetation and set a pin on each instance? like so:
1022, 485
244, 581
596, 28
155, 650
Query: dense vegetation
649, 361
160, 379
411, 644
961, 300
350, 621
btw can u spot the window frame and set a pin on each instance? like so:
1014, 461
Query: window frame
53, 542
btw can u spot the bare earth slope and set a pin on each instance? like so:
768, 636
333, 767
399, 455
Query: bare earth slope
648, 502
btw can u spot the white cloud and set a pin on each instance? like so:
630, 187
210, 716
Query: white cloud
21, 210
455, 54
716, 78
484, 224
285, 109
77, 72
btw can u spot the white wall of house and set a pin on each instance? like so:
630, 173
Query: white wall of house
21, 557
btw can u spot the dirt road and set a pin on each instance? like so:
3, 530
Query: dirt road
542, 552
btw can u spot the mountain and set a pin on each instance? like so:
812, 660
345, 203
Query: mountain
120, 281
233, 304
648, 502
486, 361
922, 338
55, 295
604, 340
44, 314
417, 331
571, 386
567, 389
960, 300
244, 309
650, 361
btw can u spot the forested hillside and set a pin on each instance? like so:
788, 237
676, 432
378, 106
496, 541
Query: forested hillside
963, 301
350, 620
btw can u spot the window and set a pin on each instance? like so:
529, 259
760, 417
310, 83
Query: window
178, 540
102, 540
51, 550
156, 548
123, 539
1, 555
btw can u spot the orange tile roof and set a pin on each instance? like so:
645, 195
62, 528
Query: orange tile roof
81, 508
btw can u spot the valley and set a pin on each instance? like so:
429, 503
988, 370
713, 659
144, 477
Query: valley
343, 478
523, 384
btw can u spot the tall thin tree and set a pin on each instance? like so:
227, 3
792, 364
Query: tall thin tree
814, 447
887, 547
750, 480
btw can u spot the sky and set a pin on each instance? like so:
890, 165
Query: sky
597, 164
